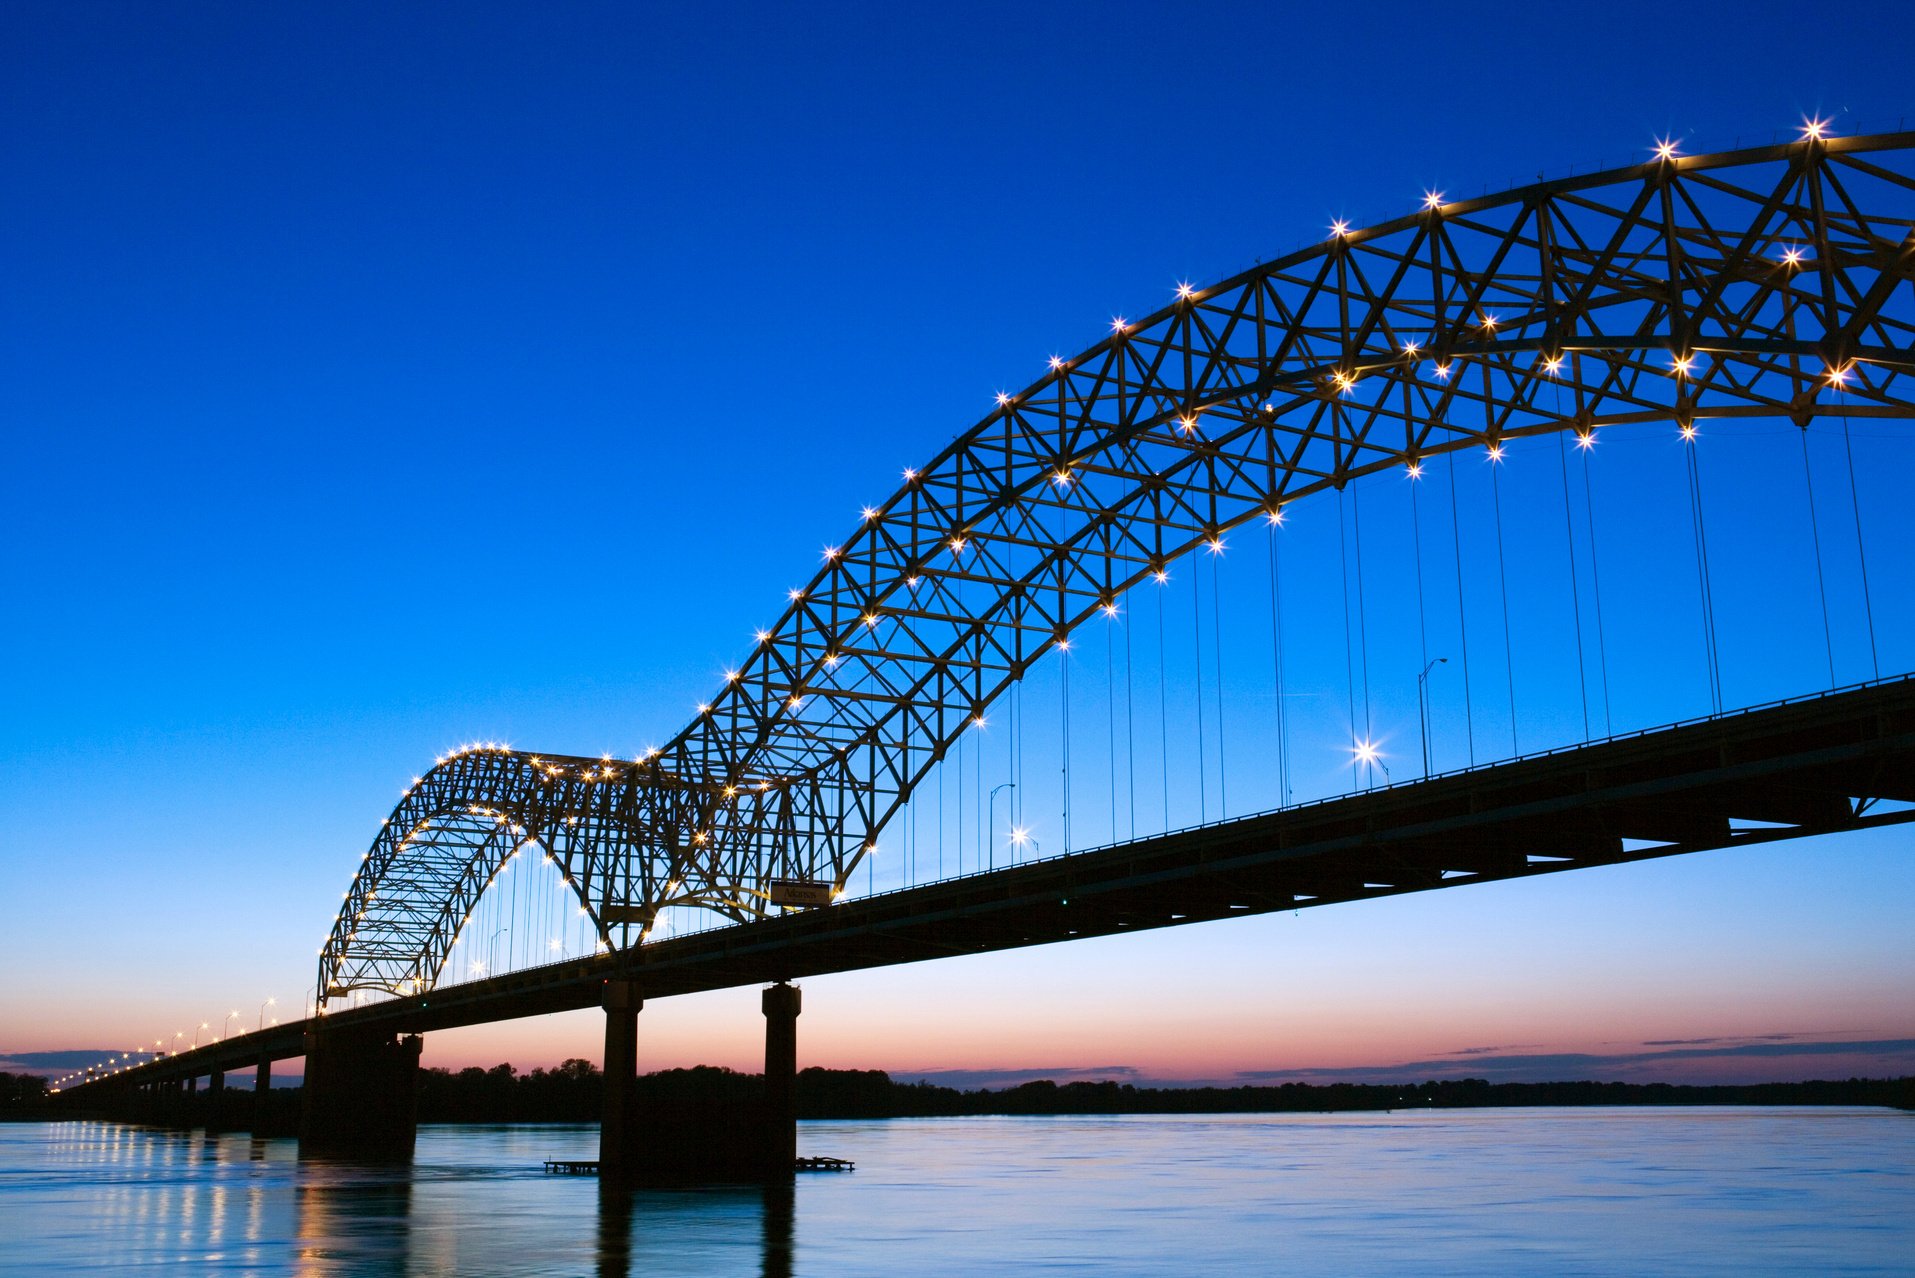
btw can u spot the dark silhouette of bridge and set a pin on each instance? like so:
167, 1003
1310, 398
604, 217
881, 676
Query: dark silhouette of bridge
1763, 285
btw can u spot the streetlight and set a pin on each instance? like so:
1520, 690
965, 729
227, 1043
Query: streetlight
270, 1002
203, 1025
491, 959
230, 1017
1423, 708
991, 844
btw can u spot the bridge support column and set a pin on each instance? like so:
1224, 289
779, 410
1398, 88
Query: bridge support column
781, 1004
361, 1095
618, 1119
263, 1096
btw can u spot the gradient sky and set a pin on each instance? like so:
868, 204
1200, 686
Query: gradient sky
375, 378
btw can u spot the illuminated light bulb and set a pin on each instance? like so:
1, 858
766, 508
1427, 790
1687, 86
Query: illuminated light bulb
1063, 645
1339, 228
731, 676
1553, 364
1792, 257
794, 595
702, 709
1443, 371
1185, 292
1020, 836
1056, 363
957, 545
910, 476
870, 513
1489, 321
1117, 323
1110, 610
1161, 577
1002, 399
1366, 752
1187, 424
795, 702
978, 721
831, 552
912, 582
870, 620
1215, 545
831, 660
1838, 376
1496, 452
1812, 129
1665, 149
1689, 431
1275, 517
1062, 479
1414, 470
1585, 439
698, 837
731, 791
1432, 199
1681, 364
1409, 348
761, 635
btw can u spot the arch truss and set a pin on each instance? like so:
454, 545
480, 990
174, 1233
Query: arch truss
1755, 284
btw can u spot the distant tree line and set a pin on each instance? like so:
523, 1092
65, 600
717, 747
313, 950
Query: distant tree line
571, 1093
22, 1095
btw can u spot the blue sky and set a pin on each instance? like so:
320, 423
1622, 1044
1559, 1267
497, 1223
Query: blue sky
376, 378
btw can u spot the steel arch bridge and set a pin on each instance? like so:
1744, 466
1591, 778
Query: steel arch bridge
1747, 285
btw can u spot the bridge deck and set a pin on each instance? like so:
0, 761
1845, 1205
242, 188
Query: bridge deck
1817, 766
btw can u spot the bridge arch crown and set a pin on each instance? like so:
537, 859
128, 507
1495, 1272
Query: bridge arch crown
1728, 288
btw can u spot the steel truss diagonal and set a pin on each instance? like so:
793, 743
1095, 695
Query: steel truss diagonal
1753, 284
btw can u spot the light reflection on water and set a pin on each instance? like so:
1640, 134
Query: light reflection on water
1579, 1191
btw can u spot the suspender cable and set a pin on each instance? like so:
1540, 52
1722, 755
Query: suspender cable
1575, 586
1064, 657
1349, 667
1163, 700
1422, 620
1585, 444
1197, 648
1130, 737
1462, 617
1702, 569
1502, 577
1110, 710
1216, 644
1276, 669
1861, 549
1363, 630
1815, 538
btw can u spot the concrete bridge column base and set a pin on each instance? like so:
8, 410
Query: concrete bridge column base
619, 1148
361, 1095
781, 1004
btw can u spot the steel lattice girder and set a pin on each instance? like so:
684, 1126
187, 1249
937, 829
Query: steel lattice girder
1752, 284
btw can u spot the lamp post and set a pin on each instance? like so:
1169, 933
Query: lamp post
991, 842
270, 1002
230, 1018
1423, 708
203, 1025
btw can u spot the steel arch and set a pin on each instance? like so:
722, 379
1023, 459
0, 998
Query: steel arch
1757, 283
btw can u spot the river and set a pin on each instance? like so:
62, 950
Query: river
1495, 1191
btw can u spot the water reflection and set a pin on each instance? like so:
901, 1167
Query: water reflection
1718, 1191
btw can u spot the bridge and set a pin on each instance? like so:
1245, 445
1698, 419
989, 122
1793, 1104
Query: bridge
1713, 302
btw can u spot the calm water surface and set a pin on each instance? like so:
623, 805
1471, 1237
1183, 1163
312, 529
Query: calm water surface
1530, 1191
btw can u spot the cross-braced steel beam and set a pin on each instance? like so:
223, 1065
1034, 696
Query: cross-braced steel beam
1750, 285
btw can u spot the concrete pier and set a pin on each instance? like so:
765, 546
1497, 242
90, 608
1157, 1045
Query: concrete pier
618, 1144
361, 1096
781, 1004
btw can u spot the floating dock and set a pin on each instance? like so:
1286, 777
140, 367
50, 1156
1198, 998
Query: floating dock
584, 1167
